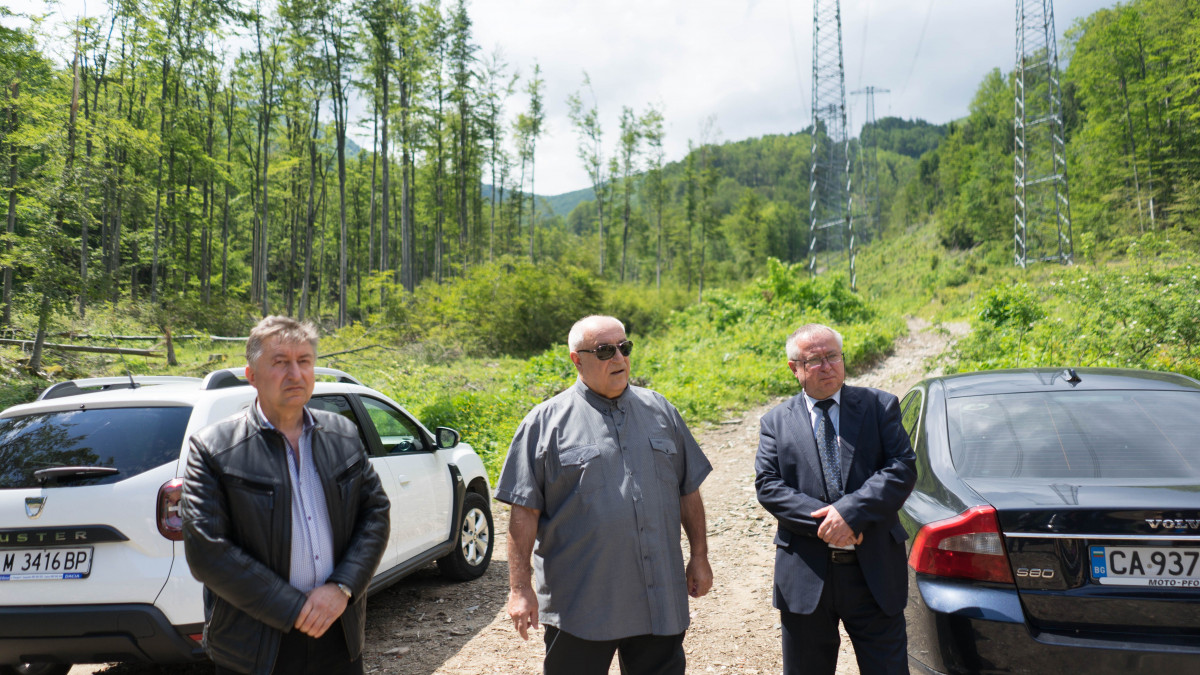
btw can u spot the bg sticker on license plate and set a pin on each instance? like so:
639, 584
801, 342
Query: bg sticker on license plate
1167, 567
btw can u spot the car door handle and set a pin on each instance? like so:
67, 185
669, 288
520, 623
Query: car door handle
404, 480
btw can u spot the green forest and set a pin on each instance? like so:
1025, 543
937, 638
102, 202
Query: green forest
184, 166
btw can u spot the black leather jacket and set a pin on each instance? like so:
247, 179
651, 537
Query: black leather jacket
237, 532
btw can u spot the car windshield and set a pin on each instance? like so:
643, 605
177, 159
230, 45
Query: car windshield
1077, 434
130, 440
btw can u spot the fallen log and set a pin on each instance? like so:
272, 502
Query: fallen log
347, 351
86, 336
84, 348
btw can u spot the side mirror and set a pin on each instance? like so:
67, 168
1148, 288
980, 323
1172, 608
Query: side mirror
446, 437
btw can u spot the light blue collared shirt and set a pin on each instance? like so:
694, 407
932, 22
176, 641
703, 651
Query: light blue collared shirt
312, 537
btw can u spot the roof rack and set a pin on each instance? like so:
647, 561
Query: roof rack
95, 384
236, 377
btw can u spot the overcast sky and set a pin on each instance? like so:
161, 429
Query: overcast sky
748, 63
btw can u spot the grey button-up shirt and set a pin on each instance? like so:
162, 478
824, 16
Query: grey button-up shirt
606, 476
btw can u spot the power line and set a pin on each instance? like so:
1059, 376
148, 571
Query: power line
920, 41
796, 56
862, 53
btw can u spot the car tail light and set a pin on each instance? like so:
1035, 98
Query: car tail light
170, 523
967, 546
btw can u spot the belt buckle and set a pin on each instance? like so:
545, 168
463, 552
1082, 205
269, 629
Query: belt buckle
842, 557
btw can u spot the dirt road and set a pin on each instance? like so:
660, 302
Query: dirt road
426, 626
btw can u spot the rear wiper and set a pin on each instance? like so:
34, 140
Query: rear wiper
57, 473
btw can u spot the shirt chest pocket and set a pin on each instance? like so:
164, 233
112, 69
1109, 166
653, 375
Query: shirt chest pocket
666, 460
582, 466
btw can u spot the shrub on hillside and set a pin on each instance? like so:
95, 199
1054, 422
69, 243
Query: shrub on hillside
644, 311
1147, 319
506, 307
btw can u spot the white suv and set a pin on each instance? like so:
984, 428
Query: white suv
92, 567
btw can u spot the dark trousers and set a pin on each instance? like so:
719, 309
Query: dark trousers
810, 641
638, 655
300, 654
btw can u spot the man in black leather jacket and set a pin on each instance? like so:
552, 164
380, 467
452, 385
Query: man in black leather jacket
284, 520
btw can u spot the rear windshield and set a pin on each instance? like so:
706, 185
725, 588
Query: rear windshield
130, 440
1079, 434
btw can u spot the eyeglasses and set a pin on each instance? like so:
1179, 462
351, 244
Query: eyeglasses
606, 352
817, 362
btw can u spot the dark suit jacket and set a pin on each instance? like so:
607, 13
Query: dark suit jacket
878, 473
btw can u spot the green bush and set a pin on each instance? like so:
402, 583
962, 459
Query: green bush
1112, 317
1014, 306
505, 307
644, 311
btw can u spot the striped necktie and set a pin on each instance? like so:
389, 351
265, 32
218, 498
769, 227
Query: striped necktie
827, 446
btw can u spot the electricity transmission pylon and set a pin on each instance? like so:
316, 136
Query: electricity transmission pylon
1042, 222
830, 219
869, 156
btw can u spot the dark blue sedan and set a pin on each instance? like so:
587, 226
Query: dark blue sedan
1055, 525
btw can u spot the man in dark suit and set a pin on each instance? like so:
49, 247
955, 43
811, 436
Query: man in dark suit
834, 466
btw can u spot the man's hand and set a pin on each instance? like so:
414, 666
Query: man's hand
834, 530
699, 576
324, 605
522, 601
523, 610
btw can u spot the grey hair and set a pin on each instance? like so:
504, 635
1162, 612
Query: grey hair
807, 331
284, 328
578, 331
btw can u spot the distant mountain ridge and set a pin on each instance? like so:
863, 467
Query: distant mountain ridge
766, 162
561, 204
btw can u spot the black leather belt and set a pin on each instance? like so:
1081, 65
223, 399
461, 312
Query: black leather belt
841, 557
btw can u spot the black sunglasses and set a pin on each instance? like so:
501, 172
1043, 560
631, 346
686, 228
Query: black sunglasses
606, 352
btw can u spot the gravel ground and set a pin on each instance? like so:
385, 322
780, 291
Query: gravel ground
424, 625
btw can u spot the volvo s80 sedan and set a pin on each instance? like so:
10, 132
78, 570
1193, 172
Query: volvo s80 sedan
1055, 525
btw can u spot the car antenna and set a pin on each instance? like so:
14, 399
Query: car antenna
132, 383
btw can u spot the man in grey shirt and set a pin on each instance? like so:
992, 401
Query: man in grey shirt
600, 478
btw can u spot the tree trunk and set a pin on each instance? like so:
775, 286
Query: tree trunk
310, 221
532, 203
407, 240
439, 199
371, 210
85, 209
14, 89
598, 189
339, 113
225, 204
625, 231
35, 358
170, 347
158, 182
385, 205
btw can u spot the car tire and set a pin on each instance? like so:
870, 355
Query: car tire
474, 541
41, 668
